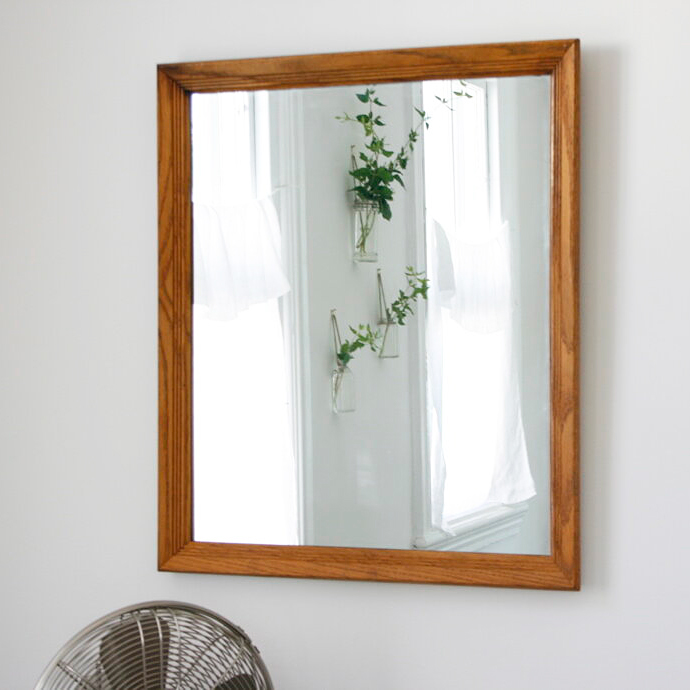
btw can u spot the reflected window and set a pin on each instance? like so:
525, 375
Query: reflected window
242, 426
476, 447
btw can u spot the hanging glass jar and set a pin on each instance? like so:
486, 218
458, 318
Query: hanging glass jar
342, 379
342, 390
365, 231
388, 326
389, 340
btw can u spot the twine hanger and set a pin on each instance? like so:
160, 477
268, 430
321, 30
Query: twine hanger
337, 342
383, 305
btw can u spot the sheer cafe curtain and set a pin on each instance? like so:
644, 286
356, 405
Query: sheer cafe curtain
244, 467
477, 445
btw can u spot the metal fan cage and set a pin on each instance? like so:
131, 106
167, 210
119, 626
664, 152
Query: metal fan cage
159, 645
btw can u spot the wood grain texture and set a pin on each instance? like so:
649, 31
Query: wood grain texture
387, 565
174, 319
176, 549
411, 64
565, 334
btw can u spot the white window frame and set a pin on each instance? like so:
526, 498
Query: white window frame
288, 176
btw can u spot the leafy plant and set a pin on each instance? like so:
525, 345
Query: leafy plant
363, 336
401, 307
376, 169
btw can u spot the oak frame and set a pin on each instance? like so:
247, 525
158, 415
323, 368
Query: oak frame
176, 549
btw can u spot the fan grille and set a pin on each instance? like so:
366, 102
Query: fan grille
158, 646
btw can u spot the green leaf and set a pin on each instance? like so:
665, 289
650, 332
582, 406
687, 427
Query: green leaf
385, 209
364, 97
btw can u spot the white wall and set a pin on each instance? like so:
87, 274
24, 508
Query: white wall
78, 364
361, 491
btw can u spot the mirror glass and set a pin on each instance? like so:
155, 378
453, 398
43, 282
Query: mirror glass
371, 315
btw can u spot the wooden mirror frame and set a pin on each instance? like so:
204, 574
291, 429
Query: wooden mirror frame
176, 549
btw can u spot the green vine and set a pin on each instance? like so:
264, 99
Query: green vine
401, 307
363, 336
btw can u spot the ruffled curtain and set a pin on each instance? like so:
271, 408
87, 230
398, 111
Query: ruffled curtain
237, 241
237, 257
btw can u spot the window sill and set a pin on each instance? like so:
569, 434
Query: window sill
477, 530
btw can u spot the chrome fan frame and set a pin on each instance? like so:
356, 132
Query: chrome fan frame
158, 645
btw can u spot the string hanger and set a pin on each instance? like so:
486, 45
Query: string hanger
337, 341
383, 305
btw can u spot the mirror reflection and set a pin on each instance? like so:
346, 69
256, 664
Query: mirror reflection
371, 315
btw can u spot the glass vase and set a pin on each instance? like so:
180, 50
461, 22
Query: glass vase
342, 390
365, 227
389, 341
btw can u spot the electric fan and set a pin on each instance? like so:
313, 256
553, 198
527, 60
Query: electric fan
158, 645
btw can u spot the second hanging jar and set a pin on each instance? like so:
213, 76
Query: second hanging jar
389, 339
389, 328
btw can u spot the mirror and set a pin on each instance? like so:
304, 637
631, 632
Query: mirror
368, 315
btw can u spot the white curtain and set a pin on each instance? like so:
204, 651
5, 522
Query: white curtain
237, 245
237, 257
473, 311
